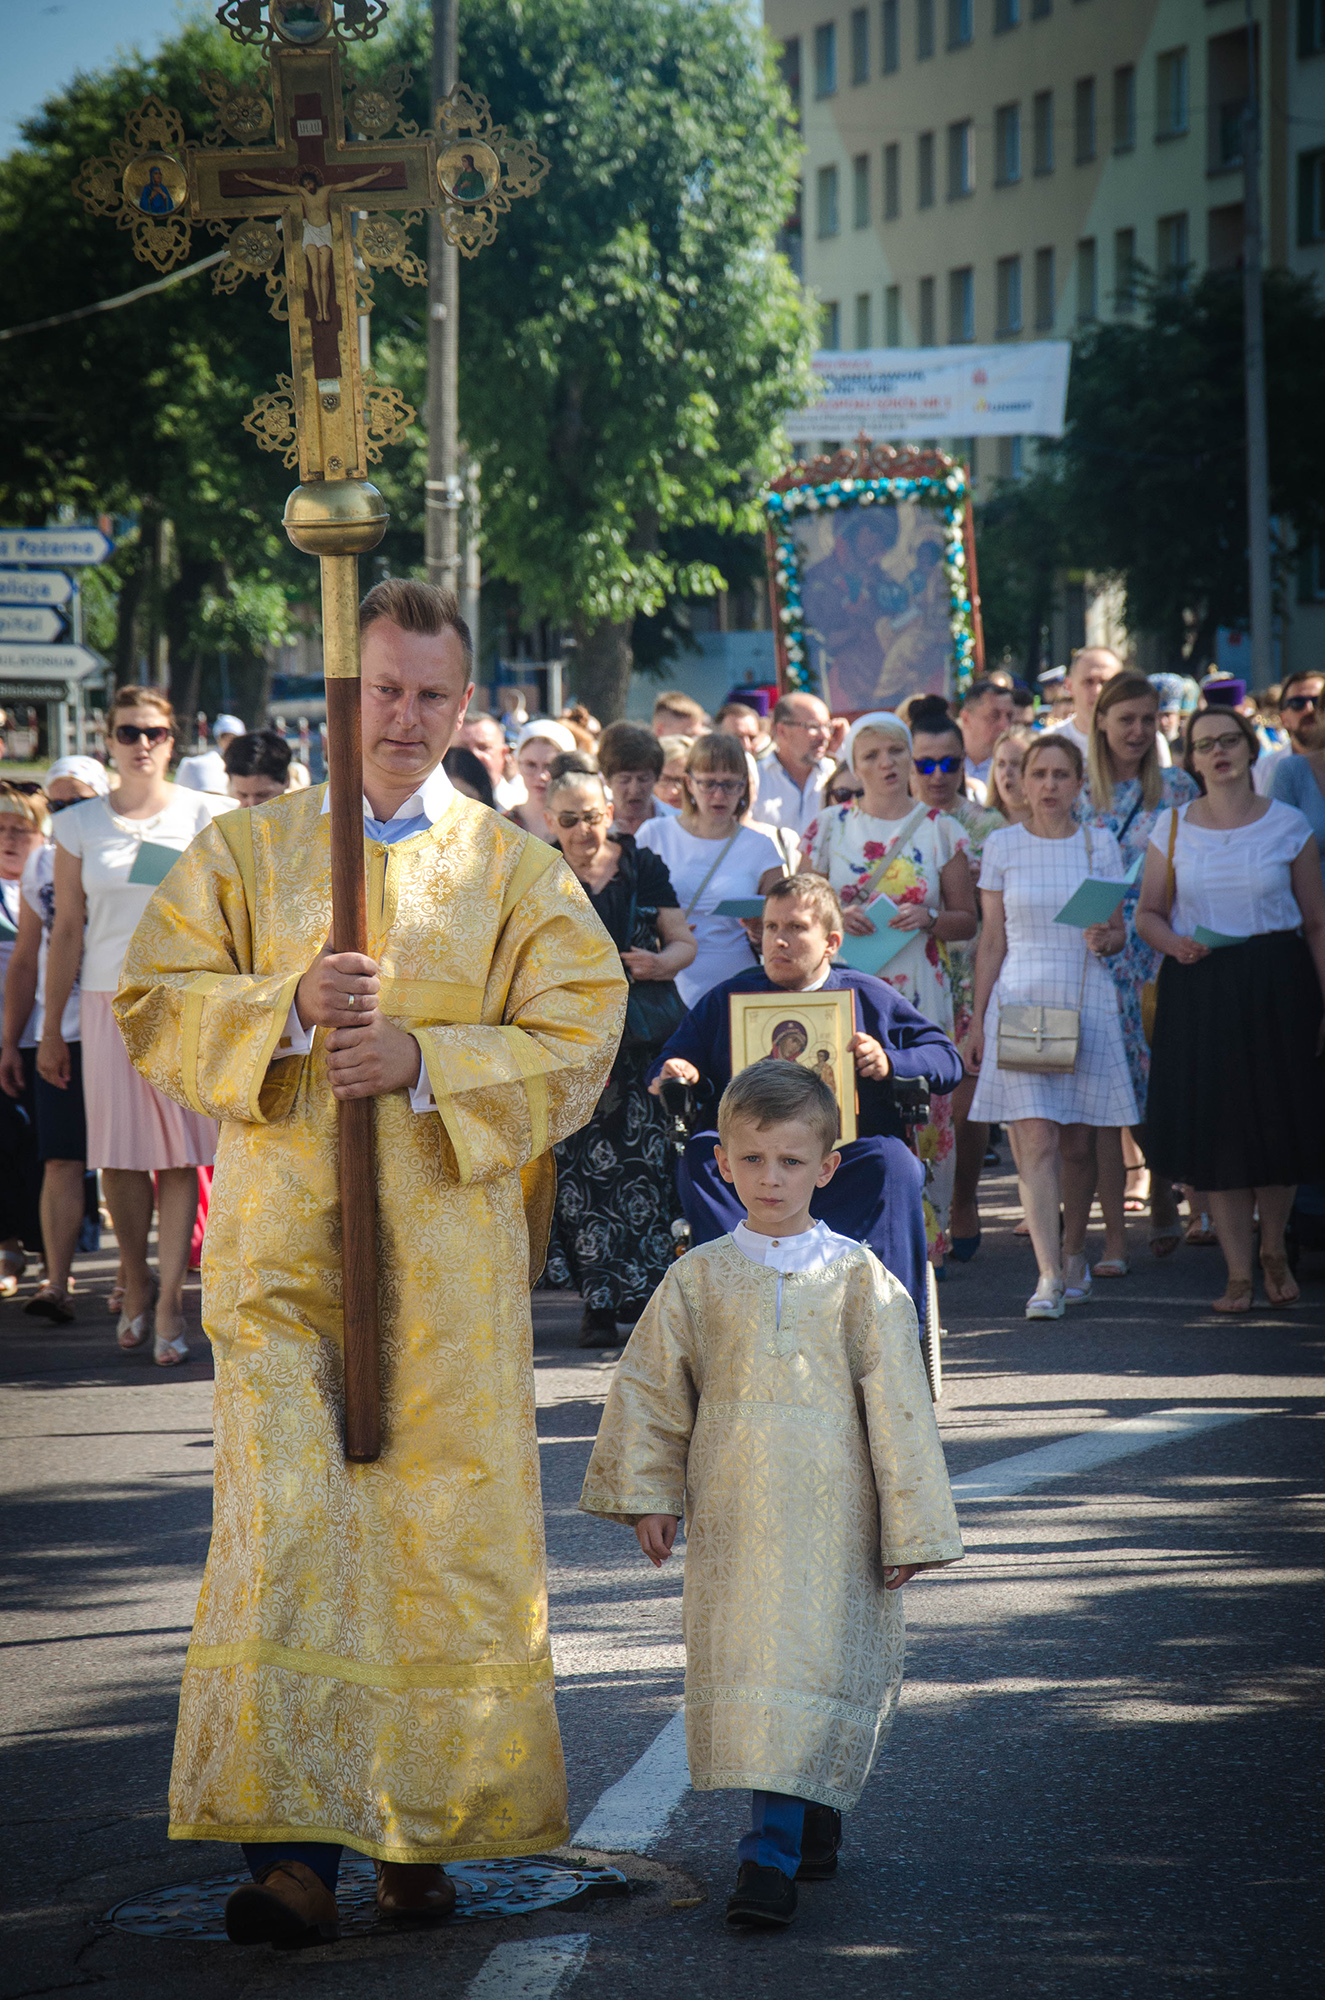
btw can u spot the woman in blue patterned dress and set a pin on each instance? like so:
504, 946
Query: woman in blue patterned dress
1128, 790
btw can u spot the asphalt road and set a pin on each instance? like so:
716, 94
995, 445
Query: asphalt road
1105, 1776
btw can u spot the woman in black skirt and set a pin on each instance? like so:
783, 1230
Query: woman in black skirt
616, 1189
1232, 896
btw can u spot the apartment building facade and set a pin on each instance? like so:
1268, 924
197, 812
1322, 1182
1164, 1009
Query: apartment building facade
988, 170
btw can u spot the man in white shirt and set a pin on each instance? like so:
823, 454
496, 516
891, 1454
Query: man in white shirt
795, 769
484, 735
1092, 667
987, 710
206, 772
1301, 706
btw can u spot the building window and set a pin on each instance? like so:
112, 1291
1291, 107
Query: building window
1225, 237
862, 319
860, 191
961, 23
961, 305
928, 329
924, 29
892, 182
1007, 14
860, 45
1044, 290
830, 324
1011, 457
1124, 109
789, 62
1009, 296
792, 235
1310, 27
1171, 94
1174, 251
825, 60
891, 36
1088, 297
925, 170
1041, 9
1043, 118
1007, 144
892, 316
961, 159
1083, 119
1124, 272
826, 223
1311, 196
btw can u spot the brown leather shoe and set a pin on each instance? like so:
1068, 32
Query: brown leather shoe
414, 1890
287, 1906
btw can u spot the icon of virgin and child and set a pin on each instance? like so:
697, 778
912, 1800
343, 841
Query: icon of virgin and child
876, 598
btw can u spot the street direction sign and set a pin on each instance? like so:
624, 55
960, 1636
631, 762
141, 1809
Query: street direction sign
35, 691
35, 586
35, 623
42, 663
53, 545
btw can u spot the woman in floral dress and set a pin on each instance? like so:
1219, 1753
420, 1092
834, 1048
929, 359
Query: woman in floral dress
1126, 793
929, 876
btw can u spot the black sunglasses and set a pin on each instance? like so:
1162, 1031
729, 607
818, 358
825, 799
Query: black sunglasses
1297, 702
129, 732
927, 766
842, 795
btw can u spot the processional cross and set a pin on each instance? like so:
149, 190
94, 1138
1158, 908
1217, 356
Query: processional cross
314, 212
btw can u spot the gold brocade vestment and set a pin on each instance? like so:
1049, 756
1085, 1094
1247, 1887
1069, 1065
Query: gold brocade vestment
370, 1660
803, 1450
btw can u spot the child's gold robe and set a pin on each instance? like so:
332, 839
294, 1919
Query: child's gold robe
805, 1456
370, 1658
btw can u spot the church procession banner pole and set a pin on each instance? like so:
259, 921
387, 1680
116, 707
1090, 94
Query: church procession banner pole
279, 177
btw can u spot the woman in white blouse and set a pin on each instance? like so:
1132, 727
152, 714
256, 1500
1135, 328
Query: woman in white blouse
110, 854
713, 859
1232, 896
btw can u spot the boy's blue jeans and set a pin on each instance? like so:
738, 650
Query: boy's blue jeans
777, 1822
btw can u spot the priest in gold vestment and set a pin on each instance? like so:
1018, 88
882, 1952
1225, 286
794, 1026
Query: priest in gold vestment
369, 1665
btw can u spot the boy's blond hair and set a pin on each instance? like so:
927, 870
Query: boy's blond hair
773, 1091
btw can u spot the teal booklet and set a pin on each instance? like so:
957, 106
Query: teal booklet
872, 953
1216, 940
153, 864
1094, 901
741, 906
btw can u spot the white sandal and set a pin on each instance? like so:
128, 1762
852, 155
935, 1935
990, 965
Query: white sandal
1046, 1301
168, 1353
1076, 1290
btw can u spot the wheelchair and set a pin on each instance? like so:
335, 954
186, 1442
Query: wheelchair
910, 1096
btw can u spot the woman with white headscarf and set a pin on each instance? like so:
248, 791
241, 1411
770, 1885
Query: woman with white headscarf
536, 748
885, 843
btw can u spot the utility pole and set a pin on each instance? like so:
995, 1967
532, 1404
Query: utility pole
1258, 450
445, 490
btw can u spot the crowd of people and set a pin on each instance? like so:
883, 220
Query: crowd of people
923, 860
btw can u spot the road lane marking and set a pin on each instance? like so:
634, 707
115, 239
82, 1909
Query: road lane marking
531, 1969
632, 1813
1097, 1446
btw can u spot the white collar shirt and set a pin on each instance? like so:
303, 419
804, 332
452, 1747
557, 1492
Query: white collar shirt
429, 802
784, 803
811, 1250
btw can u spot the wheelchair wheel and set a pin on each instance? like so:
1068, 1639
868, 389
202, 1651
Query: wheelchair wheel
931, 1337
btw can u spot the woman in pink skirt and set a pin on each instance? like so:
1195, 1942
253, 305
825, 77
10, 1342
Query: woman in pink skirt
110, 852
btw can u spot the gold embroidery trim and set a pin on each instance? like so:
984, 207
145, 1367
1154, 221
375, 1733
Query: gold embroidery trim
331, 1666
268, 1052
446, 1111
195, 993
536, 857
432, 1002
535, 1082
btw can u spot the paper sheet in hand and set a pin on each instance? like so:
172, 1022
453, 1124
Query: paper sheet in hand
1216, 940
153, 864
741, 906
1094, 901
871, 954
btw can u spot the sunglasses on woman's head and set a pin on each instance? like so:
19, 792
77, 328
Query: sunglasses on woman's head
129, 732
927, 766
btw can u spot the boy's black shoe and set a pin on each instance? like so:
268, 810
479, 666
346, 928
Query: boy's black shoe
764, 1897
819, 1844
598, 1327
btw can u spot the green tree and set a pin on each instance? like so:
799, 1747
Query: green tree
631, 340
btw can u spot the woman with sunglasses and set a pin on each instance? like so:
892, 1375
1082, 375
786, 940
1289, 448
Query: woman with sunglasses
1232, 897
616, 1188
111, 852
711, 859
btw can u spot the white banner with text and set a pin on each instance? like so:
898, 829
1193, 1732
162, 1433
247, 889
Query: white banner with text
897, 394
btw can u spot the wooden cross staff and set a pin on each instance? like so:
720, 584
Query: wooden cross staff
280, 174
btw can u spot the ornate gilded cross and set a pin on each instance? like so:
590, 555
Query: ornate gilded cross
314, 190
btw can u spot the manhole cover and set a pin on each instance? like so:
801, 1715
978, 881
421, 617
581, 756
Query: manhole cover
483, 1889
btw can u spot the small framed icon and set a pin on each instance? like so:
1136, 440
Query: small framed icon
303, 23
812, 1029
156, 184
468, 172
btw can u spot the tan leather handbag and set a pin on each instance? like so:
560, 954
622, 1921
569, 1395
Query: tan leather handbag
1044, 1041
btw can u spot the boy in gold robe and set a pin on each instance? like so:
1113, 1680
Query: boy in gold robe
774, 1391
369, 1665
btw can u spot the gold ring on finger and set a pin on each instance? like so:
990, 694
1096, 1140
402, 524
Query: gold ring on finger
350, 1000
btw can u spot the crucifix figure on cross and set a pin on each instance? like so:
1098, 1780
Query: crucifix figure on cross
315, 242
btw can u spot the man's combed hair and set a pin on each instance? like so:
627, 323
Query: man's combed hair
816, 890
262, 753
416, 607
772, 1092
